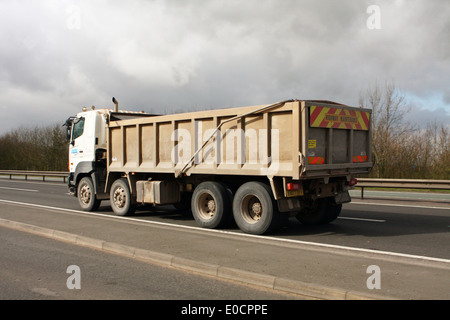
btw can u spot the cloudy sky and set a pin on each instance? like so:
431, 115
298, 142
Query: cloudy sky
182, 55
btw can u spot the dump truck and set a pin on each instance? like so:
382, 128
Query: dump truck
257, 165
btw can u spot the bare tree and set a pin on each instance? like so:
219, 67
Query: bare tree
402, 150
437, 145
390, 131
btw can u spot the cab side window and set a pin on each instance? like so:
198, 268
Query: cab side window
78, 128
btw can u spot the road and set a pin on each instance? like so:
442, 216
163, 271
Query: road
35, 268
408, 227
400, 231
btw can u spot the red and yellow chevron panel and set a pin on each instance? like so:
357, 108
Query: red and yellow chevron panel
359, 158
316, 160
338, 118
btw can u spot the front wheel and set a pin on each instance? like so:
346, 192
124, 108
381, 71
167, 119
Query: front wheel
120, 197
86, 195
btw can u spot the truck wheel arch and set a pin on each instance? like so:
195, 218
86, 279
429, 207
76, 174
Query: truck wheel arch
84, 169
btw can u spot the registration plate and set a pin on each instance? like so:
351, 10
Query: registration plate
294, 193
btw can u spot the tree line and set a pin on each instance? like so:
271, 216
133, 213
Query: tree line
400, 149
34, 149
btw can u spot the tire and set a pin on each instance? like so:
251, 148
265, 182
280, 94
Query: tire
86, 195
324, 211
254, 208
334, 210
211, 205
120, 198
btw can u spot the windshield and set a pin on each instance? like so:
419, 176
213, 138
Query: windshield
78, 128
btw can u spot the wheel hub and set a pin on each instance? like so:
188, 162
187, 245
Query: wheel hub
256, 209
119, 197
211, 205
85, 194
207, 206
252, 209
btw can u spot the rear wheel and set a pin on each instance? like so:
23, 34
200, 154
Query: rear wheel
86, 195
333, 213
211, 205
254, 208
322, 212
120, 197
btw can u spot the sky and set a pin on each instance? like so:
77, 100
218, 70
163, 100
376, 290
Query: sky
174, 56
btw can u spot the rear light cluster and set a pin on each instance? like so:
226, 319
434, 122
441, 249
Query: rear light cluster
293, 186
352, 182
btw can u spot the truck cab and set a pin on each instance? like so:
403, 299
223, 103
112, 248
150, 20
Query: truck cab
87, 138
86, 133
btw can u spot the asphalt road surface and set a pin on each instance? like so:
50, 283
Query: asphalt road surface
414, 229
34, 268
401, 226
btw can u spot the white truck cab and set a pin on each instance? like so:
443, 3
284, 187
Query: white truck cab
86, 133
87, 137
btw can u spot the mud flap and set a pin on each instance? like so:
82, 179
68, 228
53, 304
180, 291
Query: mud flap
343, 197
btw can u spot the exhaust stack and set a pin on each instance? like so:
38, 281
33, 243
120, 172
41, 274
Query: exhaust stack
116, 105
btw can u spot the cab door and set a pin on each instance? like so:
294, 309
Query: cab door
82, 143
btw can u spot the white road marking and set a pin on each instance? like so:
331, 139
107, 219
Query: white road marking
396, 205
362, 219
244, 235
17, 189
34, 182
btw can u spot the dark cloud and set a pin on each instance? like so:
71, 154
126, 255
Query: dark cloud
171, 56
